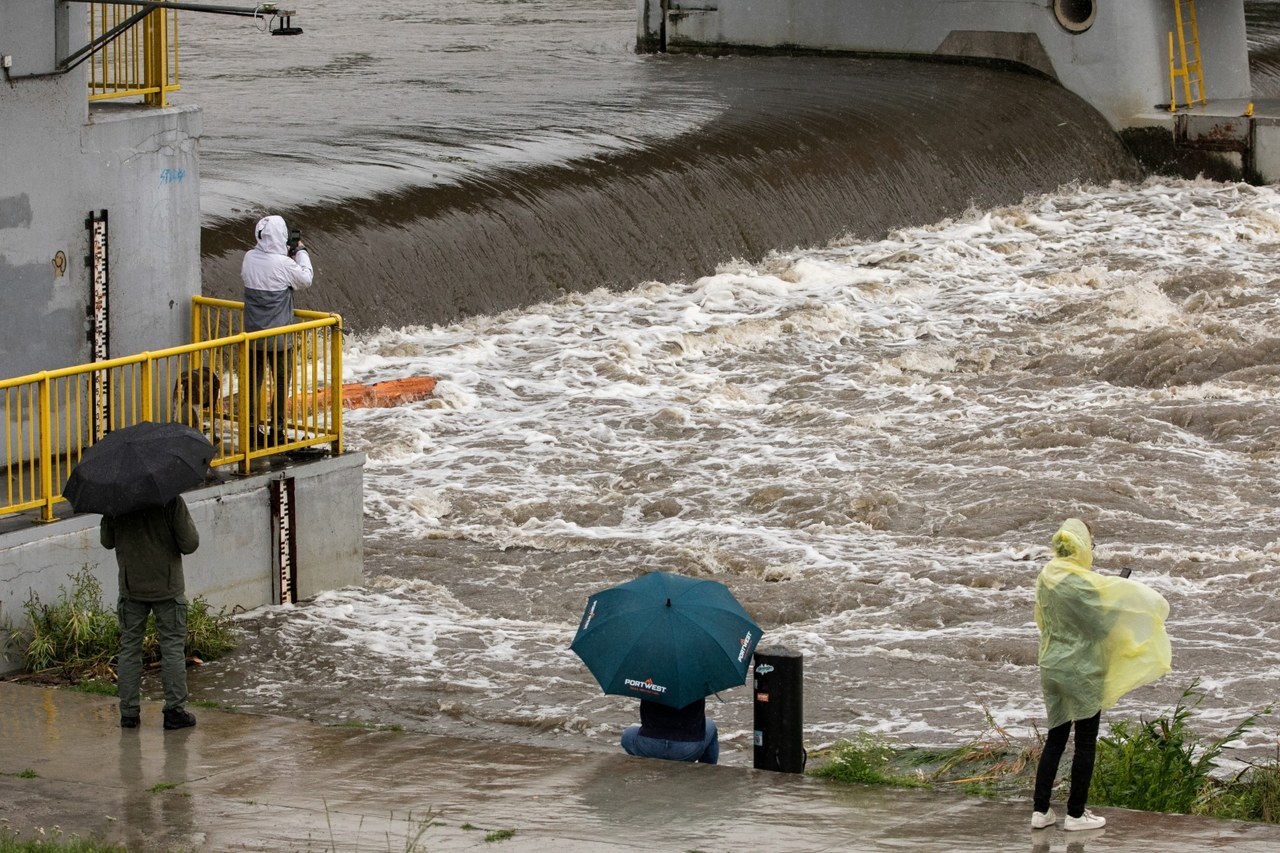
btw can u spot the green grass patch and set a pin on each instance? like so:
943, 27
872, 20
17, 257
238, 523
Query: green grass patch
77, 638
68, 844
51, 841
28, 774
96, 687
990, 766
499, 835
865, 760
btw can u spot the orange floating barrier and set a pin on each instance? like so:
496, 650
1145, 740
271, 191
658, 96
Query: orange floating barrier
392, 392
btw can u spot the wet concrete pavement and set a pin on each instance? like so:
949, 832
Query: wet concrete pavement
245, 782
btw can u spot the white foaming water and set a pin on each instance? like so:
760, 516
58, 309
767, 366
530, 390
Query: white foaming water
869, 443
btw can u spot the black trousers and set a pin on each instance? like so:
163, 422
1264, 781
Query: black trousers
1081, 763
279, 363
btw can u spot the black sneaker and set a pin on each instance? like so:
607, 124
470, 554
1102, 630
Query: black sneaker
262, 438
177, 718
127, 722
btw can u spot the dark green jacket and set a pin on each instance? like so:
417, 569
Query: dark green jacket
149, 545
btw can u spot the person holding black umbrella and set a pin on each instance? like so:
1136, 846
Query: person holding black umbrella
149, 545
134, 476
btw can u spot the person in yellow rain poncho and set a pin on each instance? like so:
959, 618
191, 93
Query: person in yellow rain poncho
1100, 637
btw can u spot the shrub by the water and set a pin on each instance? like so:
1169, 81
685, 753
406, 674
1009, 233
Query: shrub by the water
1161, 765
77, 638
51, 841
74, 634
864, 759
1253, 794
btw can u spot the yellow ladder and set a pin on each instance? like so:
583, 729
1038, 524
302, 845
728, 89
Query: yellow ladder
1192, 73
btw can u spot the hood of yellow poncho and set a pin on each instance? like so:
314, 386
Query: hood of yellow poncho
1100, 635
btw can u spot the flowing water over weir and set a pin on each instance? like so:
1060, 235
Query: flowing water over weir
741, 155
870, 441
797, 152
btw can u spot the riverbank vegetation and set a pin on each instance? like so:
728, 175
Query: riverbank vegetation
1159, 765
76, 639
51, 841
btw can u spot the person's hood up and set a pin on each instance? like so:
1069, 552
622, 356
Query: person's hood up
272, 235
1073, 543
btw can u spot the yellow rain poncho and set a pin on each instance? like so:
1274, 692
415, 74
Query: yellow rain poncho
1100, 635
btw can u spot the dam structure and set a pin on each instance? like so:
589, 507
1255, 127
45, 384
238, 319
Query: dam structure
1165, 74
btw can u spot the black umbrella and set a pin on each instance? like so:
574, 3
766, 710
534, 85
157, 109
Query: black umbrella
144, 465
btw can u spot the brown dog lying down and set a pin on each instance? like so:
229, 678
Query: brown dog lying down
197, 392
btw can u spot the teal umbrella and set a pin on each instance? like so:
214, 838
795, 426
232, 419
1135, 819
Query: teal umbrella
666, 638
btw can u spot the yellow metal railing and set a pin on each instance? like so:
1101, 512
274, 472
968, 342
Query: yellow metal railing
142, 61
222, 384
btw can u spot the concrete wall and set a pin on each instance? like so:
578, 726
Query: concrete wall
236, 563
1266, 148
1119, 64
63, 160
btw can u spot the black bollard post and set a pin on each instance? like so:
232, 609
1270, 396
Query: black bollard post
779, 689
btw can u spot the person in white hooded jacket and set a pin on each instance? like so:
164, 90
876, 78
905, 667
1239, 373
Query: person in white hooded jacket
271, 272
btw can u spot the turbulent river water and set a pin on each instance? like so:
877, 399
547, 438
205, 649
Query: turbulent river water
869, 440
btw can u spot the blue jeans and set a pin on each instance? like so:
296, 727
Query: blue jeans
706, 750
171, 627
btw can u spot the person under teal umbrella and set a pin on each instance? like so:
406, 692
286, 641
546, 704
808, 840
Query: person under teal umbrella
669, 641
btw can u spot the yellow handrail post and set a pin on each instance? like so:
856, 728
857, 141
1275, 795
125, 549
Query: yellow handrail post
243, 391
1173, 88
197, 315
46, 451
197, 312
335, 383
148, 389
155, 59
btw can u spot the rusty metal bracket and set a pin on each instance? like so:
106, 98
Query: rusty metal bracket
1213, 132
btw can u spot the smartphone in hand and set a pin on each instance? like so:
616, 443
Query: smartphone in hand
1124, 573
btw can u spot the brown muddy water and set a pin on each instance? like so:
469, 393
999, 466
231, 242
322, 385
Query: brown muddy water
870, 440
